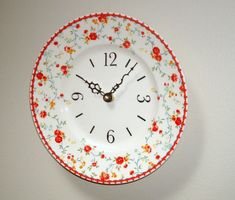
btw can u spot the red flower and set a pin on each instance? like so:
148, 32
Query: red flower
116, 29
43, 114
126, 44
57, 65
119, 160
44, 78
87, 148
110, 38
178, 121
77, 26
93, 36
157, 57
178, 111
57, 132
40, 84
104, 176
61, 95
64, 69
131, 172
125, 166
157, 157
156, 50
174, 77
39, 75
142, 32
55, 43
35, 104
94, 164
85, 31
102, 18
58, 139
182, 88
102, 156
154, 128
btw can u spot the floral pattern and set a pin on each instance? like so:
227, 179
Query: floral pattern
55, 64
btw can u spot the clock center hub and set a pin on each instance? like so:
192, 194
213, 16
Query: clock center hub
108, 97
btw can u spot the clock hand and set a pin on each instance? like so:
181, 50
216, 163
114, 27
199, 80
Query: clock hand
115, 87
95, 88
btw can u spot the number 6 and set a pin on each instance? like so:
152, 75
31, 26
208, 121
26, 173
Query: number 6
110, 137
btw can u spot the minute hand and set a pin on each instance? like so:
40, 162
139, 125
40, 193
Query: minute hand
115, 87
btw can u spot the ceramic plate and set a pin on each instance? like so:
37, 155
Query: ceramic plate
108, 98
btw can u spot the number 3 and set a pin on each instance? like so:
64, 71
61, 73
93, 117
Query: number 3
147, 99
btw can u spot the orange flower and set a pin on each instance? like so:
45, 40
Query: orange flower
147, 148
52, 104
104, 176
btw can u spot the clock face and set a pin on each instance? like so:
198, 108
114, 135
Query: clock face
108, 98
107, 70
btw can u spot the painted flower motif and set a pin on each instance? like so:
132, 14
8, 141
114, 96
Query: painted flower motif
43, 114
39, 75
116, 29
119, 160
78, 26
110, 38
64, 69
87, 149
102, 156
69, 50
157, 57
114, 175
93, 36
126, 44
58, 139
147, 148
59, 135
131, 172
178, 121
156, 54
94, 164
156, 50
103, 19
55, 43
35, 104
182, 88
157, 157
174, 77
104, 176
154, 127
52, 104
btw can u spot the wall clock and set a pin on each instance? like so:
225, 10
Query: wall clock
108, 98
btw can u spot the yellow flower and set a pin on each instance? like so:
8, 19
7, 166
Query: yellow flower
95, 21
114, 175
52, 104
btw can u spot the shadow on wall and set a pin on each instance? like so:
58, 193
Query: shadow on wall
168, 179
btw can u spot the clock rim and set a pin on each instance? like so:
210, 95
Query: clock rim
45, 143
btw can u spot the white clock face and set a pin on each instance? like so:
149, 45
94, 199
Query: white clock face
108, 71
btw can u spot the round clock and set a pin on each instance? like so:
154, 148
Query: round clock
108, 98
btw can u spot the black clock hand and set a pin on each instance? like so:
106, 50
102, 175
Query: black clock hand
115, 87
95, 88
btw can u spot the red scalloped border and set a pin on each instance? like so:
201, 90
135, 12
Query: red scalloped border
108, 182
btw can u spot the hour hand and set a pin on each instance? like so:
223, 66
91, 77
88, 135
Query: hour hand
95, 88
